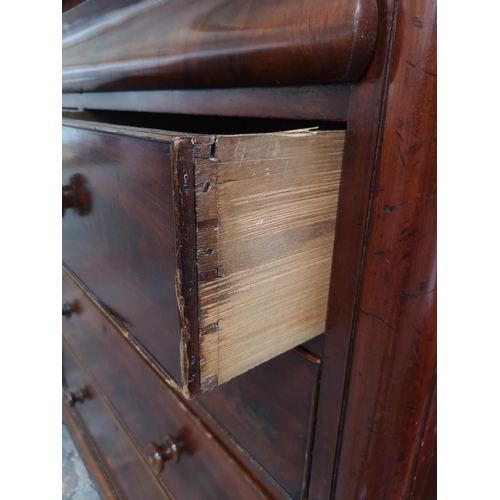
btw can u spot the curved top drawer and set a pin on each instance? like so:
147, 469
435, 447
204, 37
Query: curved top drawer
152, 44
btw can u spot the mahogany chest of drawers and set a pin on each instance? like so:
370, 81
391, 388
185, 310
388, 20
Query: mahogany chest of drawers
249, 247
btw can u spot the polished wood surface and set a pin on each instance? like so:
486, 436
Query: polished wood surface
265, 216
148, 44
368, 406
124, 250
87, 451
148, 410
319, 102
169, 450
360, 153
394, 353
121, 471
424, 483
270, 412
231, 233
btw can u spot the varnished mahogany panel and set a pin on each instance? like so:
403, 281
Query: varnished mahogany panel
394, 352
360, 154
148, 410
124, 249
270, 411
123, 472
319, 102
148, 44
424, 483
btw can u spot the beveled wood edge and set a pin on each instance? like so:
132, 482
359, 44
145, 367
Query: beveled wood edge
427, 441
186, 279
178, 396
229, 440
307, 102
366, 27
124, 130
118, 419
360, 152
150, 360
311, 434
89, 455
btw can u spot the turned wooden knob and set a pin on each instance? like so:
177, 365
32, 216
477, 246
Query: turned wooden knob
158, 454
76, 195
74, 397
67, 309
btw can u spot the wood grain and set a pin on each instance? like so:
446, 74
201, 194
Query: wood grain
270, 412
221, 244
266, 207
319, 102
125, 249
157, 44
424, 484
122, 473
360, 156
88, 453
147, 410
394, 354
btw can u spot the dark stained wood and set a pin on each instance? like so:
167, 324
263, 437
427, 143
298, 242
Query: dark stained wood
76, 196
121, 471
315, 345
125, 249
142, 45
320, 102
148, 249
148, 410
169, 450
268, 411
88, 453
358, 163
424, 485
394, 355
375, 432
70, 4
187, 276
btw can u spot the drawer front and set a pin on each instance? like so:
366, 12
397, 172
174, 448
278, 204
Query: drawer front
149, 411
270, 412
122, 246
203, 247
130, 476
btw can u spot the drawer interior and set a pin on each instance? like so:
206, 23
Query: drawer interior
213, 252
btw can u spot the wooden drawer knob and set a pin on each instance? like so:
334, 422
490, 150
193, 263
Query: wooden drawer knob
76, 195
74, 397
159, 454
67, 309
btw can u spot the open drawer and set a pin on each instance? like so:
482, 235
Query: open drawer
212, 252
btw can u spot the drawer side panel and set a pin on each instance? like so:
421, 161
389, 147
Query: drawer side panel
266, 213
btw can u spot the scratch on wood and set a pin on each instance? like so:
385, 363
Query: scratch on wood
377, 318
416, 22
401, 157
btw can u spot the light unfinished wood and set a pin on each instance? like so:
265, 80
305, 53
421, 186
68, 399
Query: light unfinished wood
254, 227
266, 208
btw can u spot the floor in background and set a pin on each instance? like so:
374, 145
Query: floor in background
76, 483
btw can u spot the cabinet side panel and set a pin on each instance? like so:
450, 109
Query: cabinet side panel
394, 352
